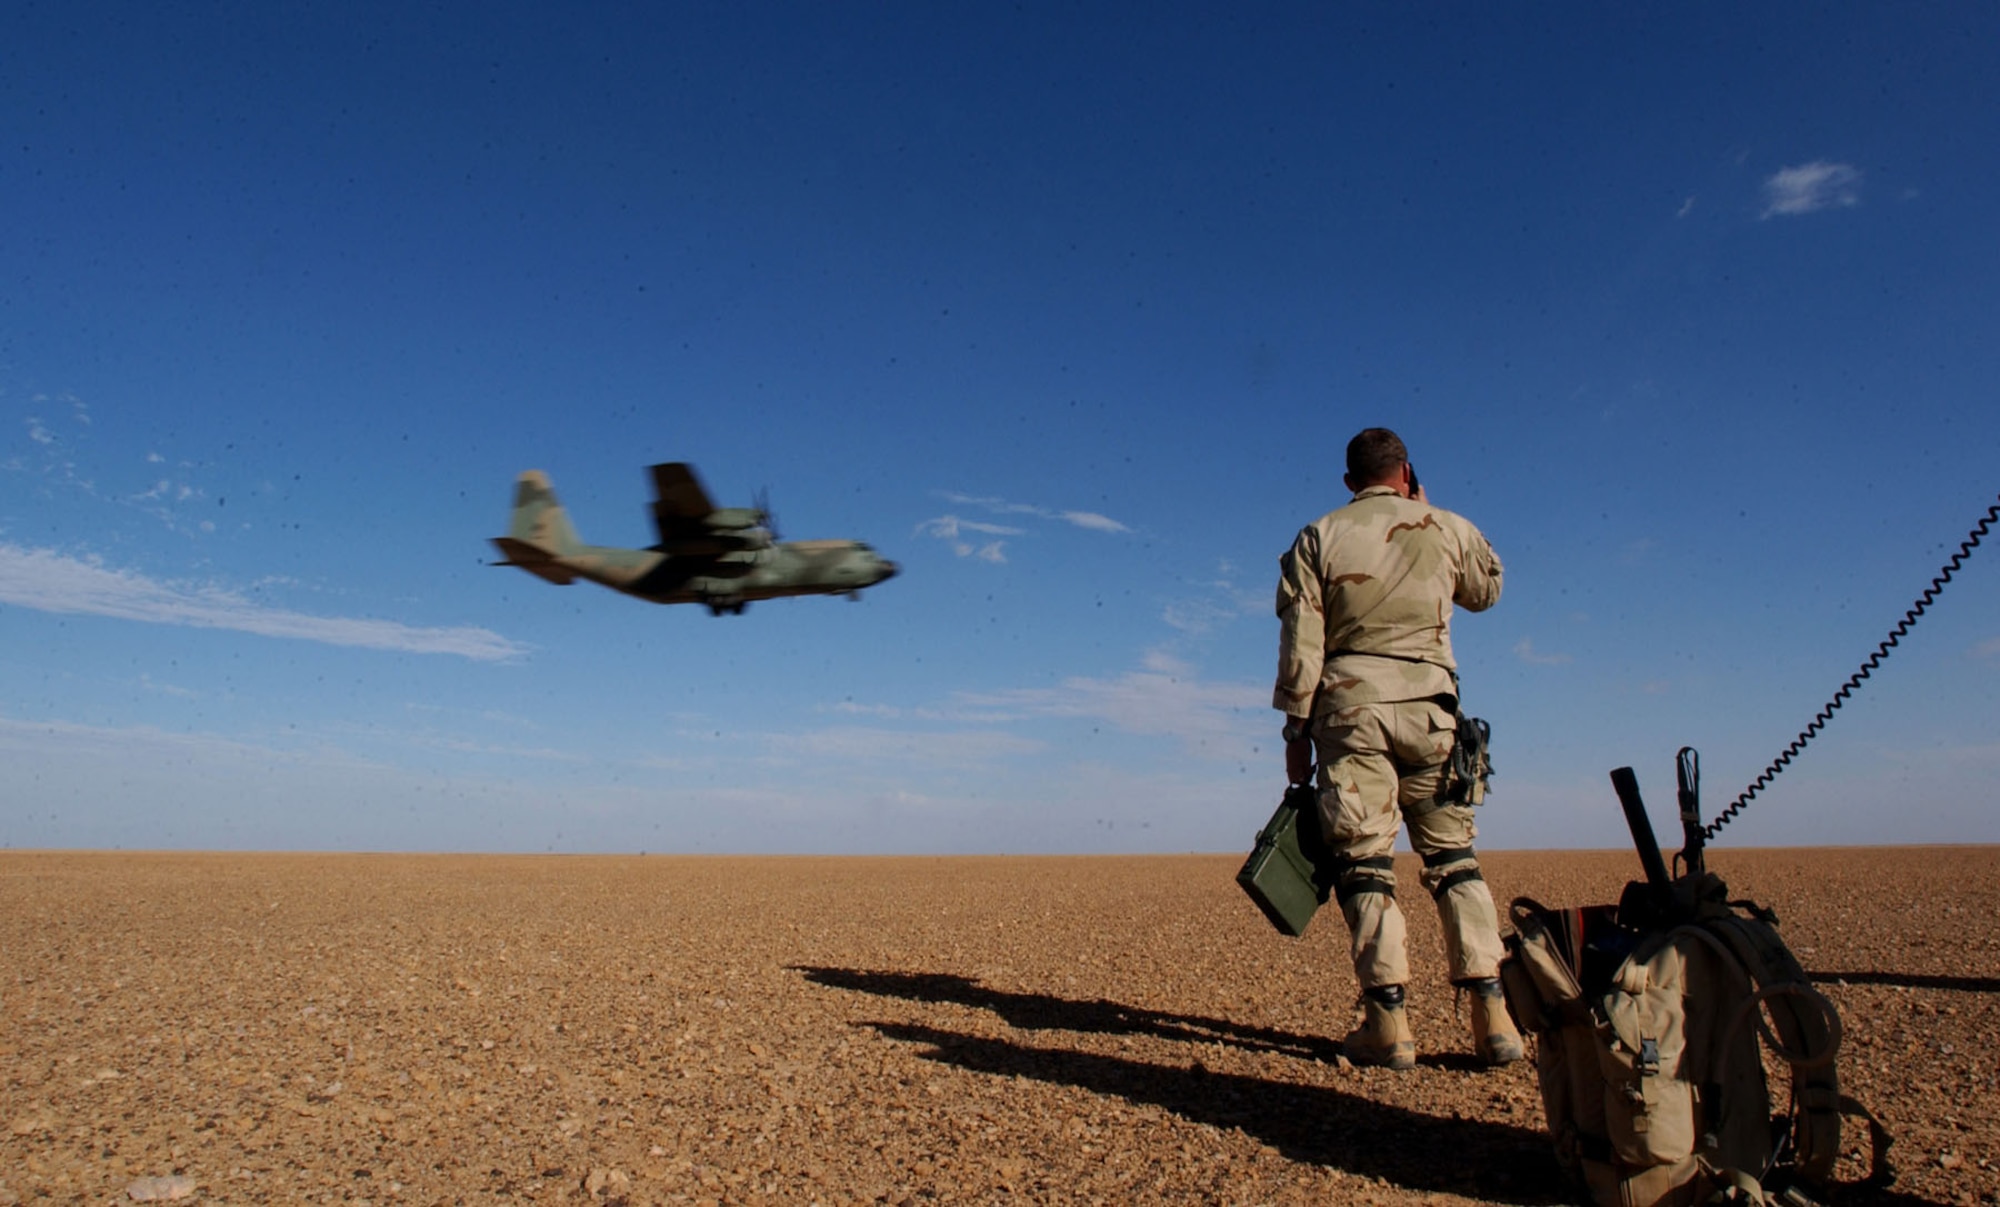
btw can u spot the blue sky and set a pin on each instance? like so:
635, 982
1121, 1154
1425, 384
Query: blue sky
1070, 311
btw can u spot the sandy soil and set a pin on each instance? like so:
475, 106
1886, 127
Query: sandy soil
404, 1029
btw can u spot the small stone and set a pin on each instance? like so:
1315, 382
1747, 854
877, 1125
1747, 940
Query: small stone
600, 1182
160, 1190
1950, 1160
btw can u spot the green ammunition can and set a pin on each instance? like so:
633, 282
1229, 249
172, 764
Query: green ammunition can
1290, 873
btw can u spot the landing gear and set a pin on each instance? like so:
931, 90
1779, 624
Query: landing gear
726, 609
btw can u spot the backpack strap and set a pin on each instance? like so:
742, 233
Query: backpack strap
1880, 1172
1804, 1031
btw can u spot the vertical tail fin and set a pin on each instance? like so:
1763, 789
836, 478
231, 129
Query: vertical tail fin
540, 534
539, 518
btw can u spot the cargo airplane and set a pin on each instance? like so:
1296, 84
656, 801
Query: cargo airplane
721, 557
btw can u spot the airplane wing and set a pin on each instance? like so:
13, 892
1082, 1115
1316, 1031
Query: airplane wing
678, 498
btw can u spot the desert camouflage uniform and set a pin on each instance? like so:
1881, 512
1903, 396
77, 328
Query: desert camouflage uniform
1365, 597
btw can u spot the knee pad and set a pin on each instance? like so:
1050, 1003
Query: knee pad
1468, 869
1357, 876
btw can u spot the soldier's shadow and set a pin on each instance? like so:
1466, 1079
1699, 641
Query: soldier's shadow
1499, 1162
1040, 1012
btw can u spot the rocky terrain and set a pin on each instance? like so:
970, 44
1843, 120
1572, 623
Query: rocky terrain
419, 1029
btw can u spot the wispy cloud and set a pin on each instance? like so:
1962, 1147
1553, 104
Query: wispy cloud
952, 531
1090, 520
963, 534
1197, 616
167, 490
1989, 648
1221, 601
861, 743
958, 713
1525, 650
1811, 186
167, 689
48, 581
1165, 698
39, 430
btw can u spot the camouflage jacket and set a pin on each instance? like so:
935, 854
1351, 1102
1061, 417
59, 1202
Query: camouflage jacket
1364, 603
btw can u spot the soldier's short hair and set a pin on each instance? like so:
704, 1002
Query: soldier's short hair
1374, 454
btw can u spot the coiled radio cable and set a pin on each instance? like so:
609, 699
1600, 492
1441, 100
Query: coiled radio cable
1819, 721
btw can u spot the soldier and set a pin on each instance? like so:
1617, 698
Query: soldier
1366, 681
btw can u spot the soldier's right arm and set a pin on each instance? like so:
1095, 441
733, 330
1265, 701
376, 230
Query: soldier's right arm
1301, 627
1478, 571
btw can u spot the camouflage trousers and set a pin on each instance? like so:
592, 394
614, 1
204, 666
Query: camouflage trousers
1378, 766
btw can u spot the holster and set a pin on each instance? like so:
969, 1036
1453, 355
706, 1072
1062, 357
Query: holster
1471, 763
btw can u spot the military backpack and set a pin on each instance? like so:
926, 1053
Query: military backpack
1648, 1023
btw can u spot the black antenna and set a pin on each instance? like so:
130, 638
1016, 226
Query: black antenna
1687, 771
1626, 785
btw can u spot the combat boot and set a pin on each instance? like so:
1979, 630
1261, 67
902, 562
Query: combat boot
1493, 1035
1383, 1039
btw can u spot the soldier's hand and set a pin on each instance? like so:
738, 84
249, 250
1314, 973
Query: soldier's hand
1298, 759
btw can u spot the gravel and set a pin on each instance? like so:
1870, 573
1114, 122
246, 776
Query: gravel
442, 1029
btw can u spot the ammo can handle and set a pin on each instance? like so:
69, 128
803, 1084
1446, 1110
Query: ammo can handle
1626, 785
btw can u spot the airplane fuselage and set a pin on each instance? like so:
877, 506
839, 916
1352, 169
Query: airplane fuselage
726, 582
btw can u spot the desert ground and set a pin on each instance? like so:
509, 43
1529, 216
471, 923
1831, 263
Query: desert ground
647, 1029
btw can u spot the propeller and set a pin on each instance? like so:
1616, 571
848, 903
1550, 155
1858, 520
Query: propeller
762, 501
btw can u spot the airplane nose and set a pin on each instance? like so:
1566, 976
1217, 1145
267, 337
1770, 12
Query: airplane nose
889, 571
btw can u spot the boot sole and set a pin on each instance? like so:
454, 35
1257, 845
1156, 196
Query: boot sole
1400, 1059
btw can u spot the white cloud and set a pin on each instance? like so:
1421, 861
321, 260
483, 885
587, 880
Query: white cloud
1196, 616
38, 433
954, 715
1811, 186
948, 526
1687, 207
954, 529
1089, 520
853, 708
167, 689
1092, 521
1525, 650
48, 581
907, 746
456, 745
950, 530
1165, 698
1222, 602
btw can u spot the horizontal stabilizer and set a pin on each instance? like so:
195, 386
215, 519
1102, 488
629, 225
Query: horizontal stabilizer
536, 561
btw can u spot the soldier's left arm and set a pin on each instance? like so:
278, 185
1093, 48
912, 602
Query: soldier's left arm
1301, 627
